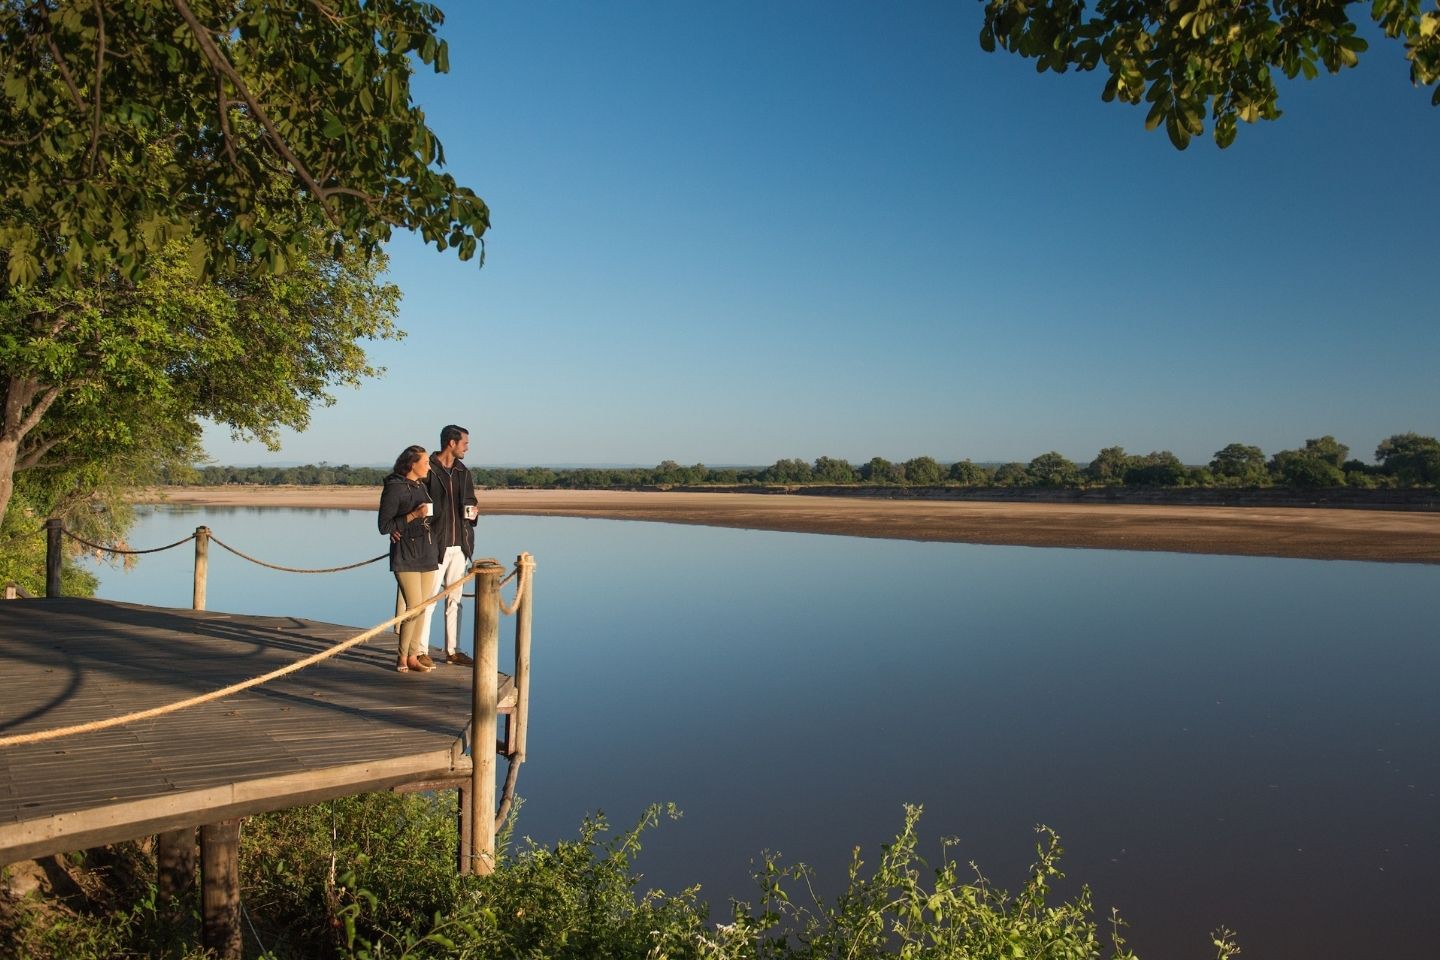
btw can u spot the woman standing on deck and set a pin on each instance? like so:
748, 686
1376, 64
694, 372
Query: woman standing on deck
405, 510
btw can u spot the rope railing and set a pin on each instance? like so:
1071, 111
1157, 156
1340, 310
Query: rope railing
123, 550
195, 701
275, 566
522, 571
126, 551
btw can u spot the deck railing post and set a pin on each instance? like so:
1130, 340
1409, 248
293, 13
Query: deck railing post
175, 852
52, 557
220, 889
202, 565
523, 617
483, 717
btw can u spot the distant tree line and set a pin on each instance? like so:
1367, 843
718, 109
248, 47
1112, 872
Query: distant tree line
1402, 460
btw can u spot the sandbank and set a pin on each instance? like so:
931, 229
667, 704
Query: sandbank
1310, 533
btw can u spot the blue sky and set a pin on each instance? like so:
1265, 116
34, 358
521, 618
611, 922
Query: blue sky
733, 233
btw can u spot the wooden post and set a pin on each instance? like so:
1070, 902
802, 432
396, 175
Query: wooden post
12, 590
52, 557
483, 717
202, 565
174, 871
220, 889
464, 832
520, 719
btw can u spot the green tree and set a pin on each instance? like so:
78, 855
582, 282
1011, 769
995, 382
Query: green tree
1197, 59
668, 471
130, 126
968, 474
1012, 475
787, 471
122, 368
831, 470
1320, 463
1052, 470
880, 470
1240, 464
1328, 449
1109, 466
1410, 458
922, 472
1156, 469
1294, 468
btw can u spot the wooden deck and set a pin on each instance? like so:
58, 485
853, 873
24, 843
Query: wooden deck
344, 726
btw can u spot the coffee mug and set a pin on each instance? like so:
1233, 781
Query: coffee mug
471, 511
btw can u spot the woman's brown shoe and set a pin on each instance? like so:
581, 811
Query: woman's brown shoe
426, 662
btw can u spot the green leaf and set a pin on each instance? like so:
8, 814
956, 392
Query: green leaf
1156, 115
1178, 135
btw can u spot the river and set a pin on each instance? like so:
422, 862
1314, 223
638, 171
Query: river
1218, 740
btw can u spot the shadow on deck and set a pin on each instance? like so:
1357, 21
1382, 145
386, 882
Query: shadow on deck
347, 725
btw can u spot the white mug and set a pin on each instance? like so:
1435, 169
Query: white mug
427, 509
471, 511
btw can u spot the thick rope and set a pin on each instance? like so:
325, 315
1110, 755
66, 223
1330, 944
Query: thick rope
130, 553
301, 664
522, 569
275, 566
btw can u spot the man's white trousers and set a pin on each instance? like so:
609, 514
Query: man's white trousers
452, 567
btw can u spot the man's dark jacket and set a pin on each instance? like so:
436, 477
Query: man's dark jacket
453, 489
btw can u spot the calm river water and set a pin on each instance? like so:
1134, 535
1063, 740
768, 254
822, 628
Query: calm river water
1218, 740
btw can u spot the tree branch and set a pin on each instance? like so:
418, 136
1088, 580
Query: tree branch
277, 142
19, 143
99, 71
370, 201
225, 133
33, 456
18, 394
26, 401
64, 70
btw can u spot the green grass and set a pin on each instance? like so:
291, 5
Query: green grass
372, 878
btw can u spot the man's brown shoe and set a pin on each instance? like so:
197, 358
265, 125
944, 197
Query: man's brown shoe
459, 659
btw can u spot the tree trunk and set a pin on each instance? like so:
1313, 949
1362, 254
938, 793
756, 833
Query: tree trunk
24, 404
8, 451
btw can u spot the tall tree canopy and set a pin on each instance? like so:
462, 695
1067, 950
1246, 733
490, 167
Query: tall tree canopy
92, 373
1199, 58
129, 125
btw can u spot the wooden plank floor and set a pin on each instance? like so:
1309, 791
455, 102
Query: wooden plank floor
343, 726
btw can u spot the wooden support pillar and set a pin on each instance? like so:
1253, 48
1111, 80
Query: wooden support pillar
483, 718
52, 557
519, 721
175, 854
466, 848
202, 565
220, 889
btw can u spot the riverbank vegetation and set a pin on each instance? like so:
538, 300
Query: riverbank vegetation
371, 877
1403, 460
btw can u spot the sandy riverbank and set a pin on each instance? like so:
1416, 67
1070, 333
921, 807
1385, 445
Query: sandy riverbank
1248, 531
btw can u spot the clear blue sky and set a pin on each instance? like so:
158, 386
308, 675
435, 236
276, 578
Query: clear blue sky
744, 231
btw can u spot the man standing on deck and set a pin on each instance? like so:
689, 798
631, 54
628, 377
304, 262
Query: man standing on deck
456, 512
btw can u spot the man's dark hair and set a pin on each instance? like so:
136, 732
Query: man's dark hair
451, 432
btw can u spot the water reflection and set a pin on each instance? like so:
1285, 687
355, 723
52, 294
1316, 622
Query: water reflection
1229, 740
